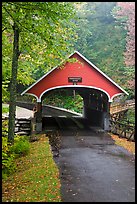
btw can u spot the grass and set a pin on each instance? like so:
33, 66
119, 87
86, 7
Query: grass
36, 178
129, 145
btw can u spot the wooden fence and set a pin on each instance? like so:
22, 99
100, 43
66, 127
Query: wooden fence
22, 126
121, 107
125, 129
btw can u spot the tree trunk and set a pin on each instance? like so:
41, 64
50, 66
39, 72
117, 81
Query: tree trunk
13, 84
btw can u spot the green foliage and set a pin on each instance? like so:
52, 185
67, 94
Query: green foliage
65, 99
40, 34
5, 109
131, 93
131, 115
4, 127
129, 118
8, 165
46, 35
74, 103
5, 93
21, 146
103, 39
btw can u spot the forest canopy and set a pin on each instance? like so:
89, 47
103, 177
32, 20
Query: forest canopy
106, 36
104, 32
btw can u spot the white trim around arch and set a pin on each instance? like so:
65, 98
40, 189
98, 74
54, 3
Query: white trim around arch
116, 95
93, 65
33, 95
90, 63
73, 86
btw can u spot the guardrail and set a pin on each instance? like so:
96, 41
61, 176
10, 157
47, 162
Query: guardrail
121, 107
124, 130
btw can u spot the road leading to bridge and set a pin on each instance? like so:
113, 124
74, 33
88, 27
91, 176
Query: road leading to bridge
94, 169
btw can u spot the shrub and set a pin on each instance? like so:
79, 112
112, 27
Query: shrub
4, 127
8, 165
21, 146
5, 109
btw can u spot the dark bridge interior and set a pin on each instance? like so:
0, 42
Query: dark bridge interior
95, 111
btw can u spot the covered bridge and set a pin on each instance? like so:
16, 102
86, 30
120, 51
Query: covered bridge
95, 87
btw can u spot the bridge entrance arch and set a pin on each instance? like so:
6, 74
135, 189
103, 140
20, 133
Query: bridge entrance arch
95, 87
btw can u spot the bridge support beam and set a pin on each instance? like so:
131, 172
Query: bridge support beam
36, 122
106, 117
39, 117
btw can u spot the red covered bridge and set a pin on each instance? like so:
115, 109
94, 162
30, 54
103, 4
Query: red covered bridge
96, 88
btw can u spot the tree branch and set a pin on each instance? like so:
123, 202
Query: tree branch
4, 29
8, 13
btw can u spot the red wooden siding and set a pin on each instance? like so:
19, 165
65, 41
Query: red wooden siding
90, 77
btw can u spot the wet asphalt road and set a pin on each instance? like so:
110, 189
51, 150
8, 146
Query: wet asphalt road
93, 169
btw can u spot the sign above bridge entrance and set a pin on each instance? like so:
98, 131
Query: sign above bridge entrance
74, 79
82, 73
